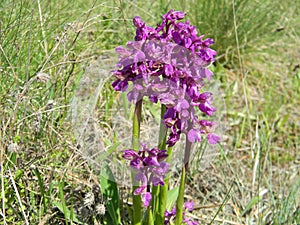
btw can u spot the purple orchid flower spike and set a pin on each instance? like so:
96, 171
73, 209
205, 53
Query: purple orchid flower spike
150, 168
169, 65
171, 215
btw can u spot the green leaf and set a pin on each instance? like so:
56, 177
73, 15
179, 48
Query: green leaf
42, 189
172, 196
108, 152
150, 220
67, 213
253, 201
110, 191
180, 198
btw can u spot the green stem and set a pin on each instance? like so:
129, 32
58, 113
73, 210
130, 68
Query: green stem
155, 201
162, 129
137, 125
137, 201
180, 199
163, 190
150, 220
185, 167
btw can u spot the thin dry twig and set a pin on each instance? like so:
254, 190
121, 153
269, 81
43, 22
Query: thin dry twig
242, 71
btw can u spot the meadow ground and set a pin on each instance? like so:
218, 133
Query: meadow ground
47, 47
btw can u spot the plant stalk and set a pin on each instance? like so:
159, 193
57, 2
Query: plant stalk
180, 198
163, 190
137, 201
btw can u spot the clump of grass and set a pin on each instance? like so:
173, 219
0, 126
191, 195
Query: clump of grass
260, 25
44, 47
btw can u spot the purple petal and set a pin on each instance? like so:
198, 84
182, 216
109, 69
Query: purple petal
207, 108
133, 96
162, 154
193, 92
153, 98
207, 42
168, 69
194, 135
173, 138
177, 37
189, 206
146, 198
139, 56
206, 123
189, 221
167, 99
206, 73
141, 177
182, 104
213, 139
122, 52
187, 42
137, 21
159, 87
119, 85
136, 163
130, 154
151, 161
157, 180
139, 190
164, 167
185, 114
174, 15
170, 113
205, 96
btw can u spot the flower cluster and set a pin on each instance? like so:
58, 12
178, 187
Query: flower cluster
168, 63
189, 206
149, 167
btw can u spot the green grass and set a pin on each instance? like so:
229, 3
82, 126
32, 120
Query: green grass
45, 48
